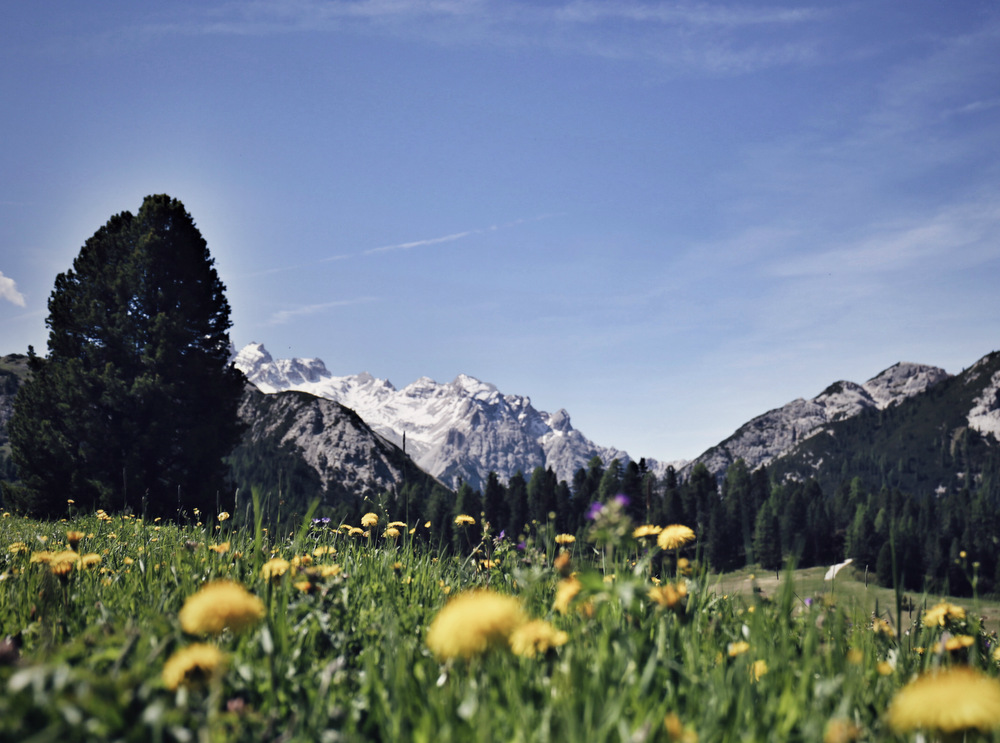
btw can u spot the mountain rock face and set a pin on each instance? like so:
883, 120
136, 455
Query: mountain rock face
461, 430
985, 413
349, 458
775, 432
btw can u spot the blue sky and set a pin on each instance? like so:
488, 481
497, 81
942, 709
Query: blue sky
665, 217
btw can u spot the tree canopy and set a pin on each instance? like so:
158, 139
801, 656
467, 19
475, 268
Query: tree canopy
136, 403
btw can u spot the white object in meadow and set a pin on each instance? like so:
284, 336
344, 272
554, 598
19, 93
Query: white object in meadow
834, 569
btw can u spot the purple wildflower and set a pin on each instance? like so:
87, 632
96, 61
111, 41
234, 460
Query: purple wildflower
595, 509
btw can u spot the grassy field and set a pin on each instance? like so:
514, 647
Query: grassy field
119, 629
850, 588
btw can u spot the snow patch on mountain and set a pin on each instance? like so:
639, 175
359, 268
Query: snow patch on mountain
985, 413
460, 430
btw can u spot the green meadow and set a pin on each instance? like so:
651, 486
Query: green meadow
328, 640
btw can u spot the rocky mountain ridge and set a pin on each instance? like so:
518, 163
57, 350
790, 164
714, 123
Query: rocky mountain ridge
456, 431
777, 431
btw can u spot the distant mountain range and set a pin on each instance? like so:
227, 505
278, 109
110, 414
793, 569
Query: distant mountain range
463, 430
912, 425
941, 440
456, 432
777, 431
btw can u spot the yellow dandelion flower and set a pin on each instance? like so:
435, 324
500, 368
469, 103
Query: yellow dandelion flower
684, 566
674, 537
327, 571
223, 516
324, 550
881, 626
959, 642
884, 668
301, 561
677, 731
305, 586
562, 564
565, 539
758, 669
90, 560
464, 520
427, 524
220, 605
841, 730
566, 591
61, 569
346, 527
669, 595
536, 638
397, 524
128, 561
646, 530
488, 564
18, 548
941, 614
392, 533
356, 532
737, 648
369, 519
949, 700
74, 538
222, 548
472, 622
68, 557
192, 666
274, 568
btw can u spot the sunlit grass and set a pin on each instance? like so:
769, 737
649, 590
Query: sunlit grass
339, 647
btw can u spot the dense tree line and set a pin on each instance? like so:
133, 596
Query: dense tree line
941, 543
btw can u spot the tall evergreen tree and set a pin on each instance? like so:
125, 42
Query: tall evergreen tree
495, 503
671, 507
611, 481
517, 505
542, 494
136, 403
767, 536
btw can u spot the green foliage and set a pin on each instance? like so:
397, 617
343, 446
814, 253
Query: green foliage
135, 404
344, 657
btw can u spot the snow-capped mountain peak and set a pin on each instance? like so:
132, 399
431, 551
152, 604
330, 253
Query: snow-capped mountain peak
456, 431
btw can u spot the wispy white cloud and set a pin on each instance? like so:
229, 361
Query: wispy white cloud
8, 291
428, 241
452, 237
690, 14
714, 38
956, 235
283, 316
